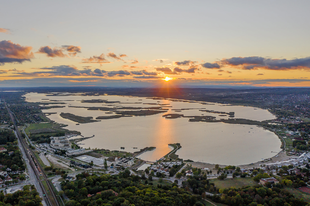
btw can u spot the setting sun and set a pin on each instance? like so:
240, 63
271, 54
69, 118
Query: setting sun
167, 79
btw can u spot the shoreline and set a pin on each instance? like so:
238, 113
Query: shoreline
279, 157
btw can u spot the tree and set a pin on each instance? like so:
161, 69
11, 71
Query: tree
178, 175
105, 164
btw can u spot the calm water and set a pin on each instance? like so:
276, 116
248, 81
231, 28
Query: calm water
206, 142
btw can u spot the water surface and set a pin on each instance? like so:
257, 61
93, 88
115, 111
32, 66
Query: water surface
206, 142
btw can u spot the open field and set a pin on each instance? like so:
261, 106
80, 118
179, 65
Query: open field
299, 194
43, 128
236, 182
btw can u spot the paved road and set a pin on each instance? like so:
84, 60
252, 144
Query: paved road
32, 177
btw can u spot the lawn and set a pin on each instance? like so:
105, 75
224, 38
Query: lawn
299, 194
37, 126
236, 182
39, 129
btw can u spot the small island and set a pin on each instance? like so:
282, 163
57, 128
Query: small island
78, 119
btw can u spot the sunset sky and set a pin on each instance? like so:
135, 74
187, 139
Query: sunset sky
140, 43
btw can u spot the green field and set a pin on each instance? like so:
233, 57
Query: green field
236, 182
299, 194
43, 126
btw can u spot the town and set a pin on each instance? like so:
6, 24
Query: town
59, 153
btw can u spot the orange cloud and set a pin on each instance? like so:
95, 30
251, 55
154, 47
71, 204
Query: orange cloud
135, 62
73, 50
51, 52
96, 59
10, 52
2, 30
114, 56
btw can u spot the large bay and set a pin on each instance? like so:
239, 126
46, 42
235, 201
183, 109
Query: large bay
229, 144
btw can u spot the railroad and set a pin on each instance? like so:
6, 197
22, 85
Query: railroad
38, 170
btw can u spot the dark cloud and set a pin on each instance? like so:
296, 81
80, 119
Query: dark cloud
149, 73
118, 73
122, 55
67, 70
244, 60
62, 70
255, 62
98, 72
10, 52
190, 70
137, 72
96, 59
72, 50
184, 63
260, 74
3, 30
144, 72
211, 65
146, 77
165, 70
51, 52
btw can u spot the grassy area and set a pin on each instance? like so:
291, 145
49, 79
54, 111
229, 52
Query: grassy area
299, 194
37, 126
172, 155
236, 182
39, 160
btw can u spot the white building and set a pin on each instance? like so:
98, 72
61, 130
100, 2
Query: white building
60, 142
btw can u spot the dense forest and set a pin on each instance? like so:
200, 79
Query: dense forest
124, 190
258, 195
12, 158
26, 197
6, 136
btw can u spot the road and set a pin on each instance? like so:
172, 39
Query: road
32, 176
31, 161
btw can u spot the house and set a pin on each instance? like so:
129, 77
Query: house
8, 178
271, 180
2, 149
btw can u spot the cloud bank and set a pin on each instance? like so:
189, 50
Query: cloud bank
256, 62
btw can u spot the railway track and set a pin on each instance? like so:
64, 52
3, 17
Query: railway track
49, 195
